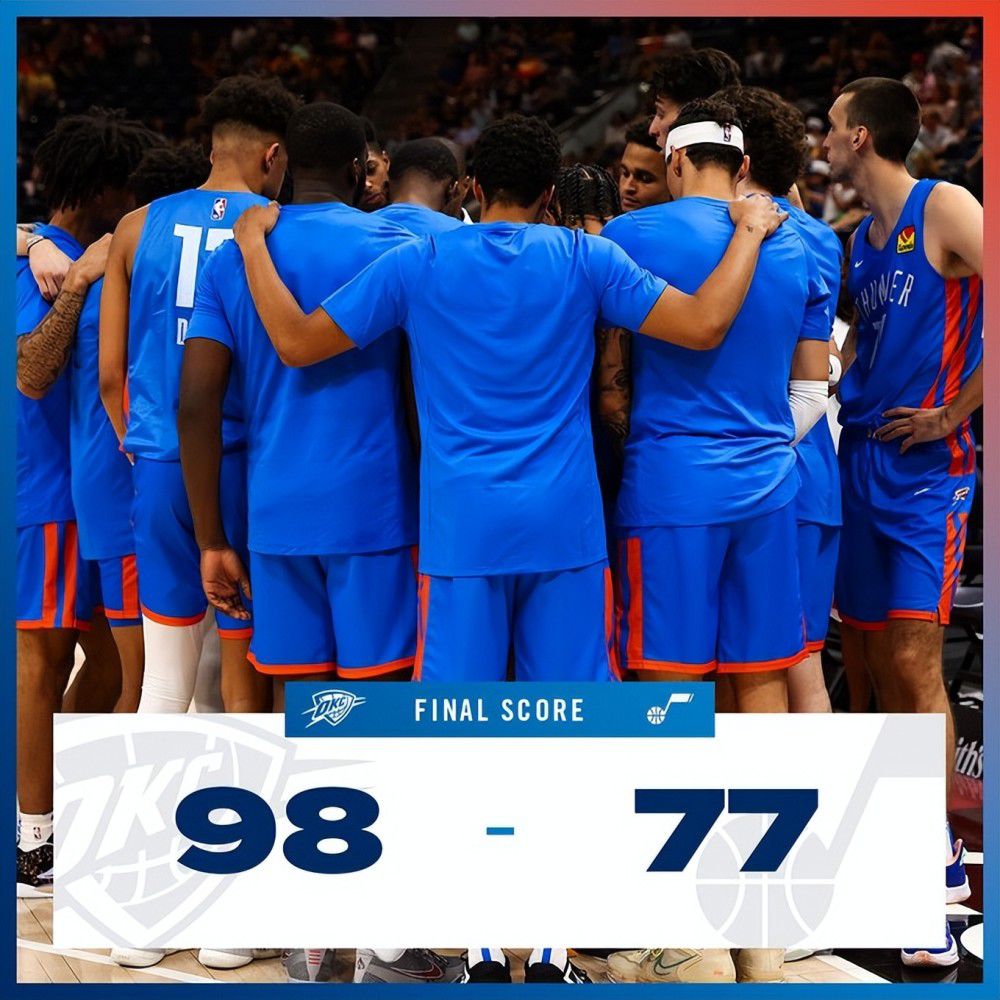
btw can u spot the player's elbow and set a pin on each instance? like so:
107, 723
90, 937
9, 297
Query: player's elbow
111, 386
708, 332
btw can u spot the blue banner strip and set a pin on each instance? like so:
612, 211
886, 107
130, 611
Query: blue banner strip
500, 709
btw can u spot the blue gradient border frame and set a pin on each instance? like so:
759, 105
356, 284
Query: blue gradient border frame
10, 10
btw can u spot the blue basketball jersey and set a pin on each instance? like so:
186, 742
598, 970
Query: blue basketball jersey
101, 474
819, 491
179, 233
418, 219
43, 487
919, 335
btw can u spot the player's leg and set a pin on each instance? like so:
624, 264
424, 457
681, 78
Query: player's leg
817, 559
208, 681
244, 689
463, 627
97, 684
373, 606
172, 601
562, 625
668, 581
852, 652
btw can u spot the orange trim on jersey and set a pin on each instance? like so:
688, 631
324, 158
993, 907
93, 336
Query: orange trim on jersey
672, 667
424, 601
358, 673
50, 599
290, 669
415, 556
633, 568
235, 633
760, 666
609, 625
862, 626
912, 615
954, 550
69, 576
130, 587
815, 646
167, 620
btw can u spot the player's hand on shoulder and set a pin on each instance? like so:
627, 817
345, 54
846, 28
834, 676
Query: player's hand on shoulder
90, 266
256, 221
224, 580
49, 266
756, 214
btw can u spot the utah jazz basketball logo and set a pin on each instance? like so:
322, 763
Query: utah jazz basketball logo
907, 240
219, 209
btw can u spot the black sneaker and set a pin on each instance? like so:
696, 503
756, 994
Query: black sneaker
415, 965
486, 972
34, 872
546, 972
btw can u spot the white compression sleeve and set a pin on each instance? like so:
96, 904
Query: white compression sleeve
172, 654
808, 402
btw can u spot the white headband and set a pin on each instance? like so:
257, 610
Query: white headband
698, 132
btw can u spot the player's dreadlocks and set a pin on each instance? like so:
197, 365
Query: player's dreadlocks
517, 159
166, 170
585, 190
249, 101
90, 153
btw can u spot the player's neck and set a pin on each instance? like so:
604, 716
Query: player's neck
77, 223
308, 191
749, 187
228, 174
709, 183
425, 195
884, 187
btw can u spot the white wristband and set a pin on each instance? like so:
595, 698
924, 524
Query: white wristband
836, 370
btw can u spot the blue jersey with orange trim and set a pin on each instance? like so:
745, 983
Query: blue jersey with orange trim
418, 219
180, 232
711, 431
500, 320
818, 501
43, 484
919, 335
101, 474
330, 468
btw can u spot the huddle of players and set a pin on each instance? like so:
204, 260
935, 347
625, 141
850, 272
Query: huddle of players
275, 410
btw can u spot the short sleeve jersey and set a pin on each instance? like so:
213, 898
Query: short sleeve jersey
418, 219
500, 319
711, 431
330, 468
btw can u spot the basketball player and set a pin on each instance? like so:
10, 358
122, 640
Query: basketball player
774, 134
84, 164
687, 76
907, 455
642, 175
145, 309
376, 194
586, 198
423, 184
331, 477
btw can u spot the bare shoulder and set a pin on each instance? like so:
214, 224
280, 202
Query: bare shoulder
946, 202
126, 237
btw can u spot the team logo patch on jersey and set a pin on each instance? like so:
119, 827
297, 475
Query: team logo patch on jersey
219, 209
907, 240
961, 494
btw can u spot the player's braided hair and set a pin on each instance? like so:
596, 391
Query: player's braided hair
517, 159
166, 170
89, 153
585, 190
774, 136
251, 102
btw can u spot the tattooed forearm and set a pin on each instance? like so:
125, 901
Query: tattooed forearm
614, 383
43, 353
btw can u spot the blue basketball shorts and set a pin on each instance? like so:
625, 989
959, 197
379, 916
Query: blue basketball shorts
116, 581
352, 615
905, 519
54, 585
818, 548
168, 558
558, 625
699, 598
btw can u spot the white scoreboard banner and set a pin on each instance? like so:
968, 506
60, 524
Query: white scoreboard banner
411, 815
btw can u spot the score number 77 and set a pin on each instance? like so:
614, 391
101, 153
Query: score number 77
699, 808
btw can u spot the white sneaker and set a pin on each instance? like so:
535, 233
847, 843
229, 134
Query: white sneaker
140, 958
233, 958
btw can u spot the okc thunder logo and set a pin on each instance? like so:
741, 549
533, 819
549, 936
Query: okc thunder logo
332, 706
219, 209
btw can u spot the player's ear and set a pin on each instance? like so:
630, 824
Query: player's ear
860, 136
744, 170
547, 197
270, 155
477, 192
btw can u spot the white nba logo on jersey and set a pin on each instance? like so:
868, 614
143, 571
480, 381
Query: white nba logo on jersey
219, 209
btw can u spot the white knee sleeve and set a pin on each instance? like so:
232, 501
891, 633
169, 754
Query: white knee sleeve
172, 654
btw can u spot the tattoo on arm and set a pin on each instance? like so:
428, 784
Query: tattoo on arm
614, 383
43, 353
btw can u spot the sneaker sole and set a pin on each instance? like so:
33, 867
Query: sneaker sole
32, 892
958, 893
223, 961
928, 959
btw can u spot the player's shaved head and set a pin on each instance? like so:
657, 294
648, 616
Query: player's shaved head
324, 138
428, 157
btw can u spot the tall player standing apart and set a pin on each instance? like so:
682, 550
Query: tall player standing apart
84, 164
331, 474
907, 455
145, 309
774, 134
706, 510
502, 386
